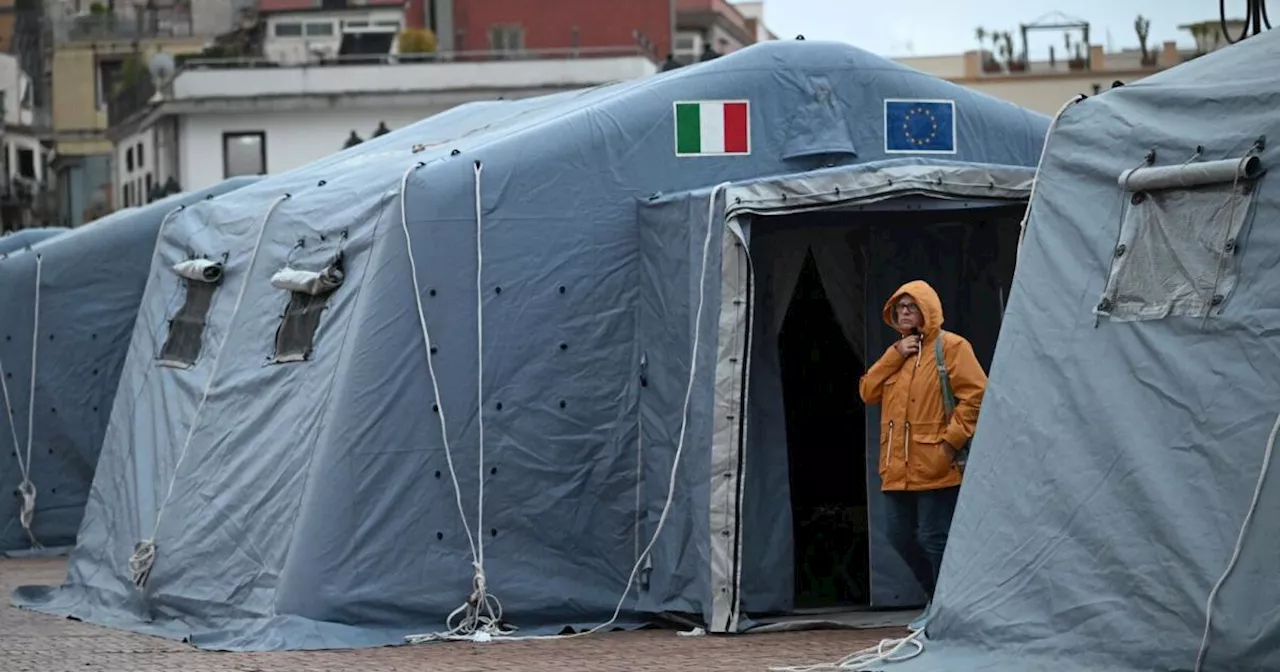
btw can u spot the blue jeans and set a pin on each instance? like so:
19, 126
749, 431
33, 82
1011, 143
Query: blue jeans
918, 523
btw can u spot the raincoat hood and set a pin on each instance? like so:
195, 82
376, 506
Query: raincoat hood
930, 307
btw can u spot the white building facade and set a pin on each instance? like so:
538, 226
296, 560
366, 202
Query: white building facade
211, 122
24, 158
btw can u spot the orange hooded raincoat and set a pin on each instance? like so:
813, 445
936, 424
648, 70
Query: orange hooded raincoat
916, 440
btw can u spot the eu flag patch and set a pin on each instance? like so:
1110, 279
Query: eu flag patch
919, 126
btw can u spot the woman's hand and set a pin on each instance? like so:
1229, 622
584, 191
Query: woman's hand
908, 346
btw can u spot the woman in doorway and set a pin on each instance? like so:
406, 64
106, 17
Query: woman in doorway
924, 426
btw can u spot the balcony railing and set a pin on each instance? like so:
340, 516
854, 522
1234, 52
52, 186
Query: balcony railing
433, 57
140, 25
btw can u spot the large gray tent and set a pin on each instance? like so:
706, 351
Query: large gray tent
1132, 406
281, 478
22, 239
91, 282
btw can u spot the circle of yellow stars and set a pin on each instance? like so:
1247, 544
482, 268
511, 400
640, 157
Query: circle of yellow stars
906, 125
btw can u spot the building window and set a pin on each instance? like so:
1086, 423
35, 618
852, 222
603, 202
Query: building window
128, 160
139, 153
150, 186
506, 38
186, 330
288, 30
27, 163
109, 72
244, 154
320, 29
127, 194
308, 297
688, 47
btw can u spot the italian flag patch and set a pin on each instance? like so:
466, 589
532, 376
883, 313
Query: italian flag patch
713, 128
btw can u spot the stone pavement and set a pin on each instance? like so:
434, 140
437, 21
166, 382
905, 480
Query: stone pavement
32, 642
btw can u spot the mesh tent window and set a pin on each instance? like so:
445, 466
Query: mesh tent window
309, 294
295, 337
1175, 255
182, 348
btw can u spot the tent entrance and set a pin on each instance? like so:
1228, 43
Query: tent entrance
813, 537
825, 453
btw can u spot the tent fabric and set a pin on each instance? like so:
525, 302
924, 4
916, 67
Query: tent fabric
91, 282
23, 239
1116, 459
312, 504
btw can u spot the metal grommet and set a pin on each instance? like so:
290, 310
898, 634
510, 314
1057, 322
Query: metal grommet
1120, 250
1138, 198
1104, 305
1217, 300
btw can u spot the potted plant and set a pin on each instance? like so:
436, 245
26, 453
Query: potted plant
989, 63
1004, 42
417, 41
1077, 61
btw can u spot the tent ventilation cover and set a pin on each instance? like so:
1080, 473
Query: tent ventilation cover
1175, 252
311, 283
199, 270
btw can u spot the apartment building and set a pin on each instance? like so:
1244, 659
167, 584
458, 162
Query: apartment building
99, 51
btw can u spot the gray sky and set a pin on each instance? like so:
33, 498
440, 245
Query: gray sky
928, 27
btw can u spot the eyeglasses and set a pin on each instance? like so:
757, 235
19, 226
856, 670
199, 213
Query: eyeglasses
908, 308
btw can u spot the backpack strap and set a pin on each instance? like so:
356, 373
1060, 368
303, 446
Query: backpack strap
961, 456
944, 377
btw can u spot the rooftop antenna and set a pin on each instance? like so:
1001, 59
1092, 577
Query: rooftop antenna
162, 68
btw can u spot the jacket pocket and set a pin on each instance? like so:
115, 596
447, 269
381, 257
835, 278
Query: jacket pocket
931, 459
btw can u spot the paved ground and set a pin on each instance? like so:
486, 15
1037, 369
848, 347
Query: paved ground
32, 642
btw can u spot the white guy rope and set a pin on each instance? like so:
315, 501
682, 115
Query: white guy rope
675, 463
481, 613
144, 552
27, 489
1235, 553
1035, 181
887, 651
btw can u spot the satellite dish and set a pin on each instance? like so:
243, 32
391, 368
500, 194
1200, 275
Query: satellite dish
162, 66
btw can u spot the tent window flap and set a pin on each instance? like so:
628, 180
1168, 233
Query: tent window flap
1175, 255
186, 329
308, 297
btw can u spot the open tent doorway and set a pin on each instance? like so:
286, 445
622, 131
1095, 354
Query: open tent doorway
814, 540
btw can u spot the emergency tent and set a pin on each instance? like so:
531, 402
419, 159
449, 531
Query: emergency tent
22, 239
467, 343
1132, 406
70, 304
